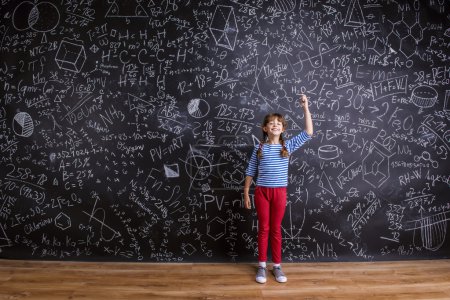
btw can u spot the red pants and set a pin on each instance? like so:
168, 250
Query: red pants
270, 206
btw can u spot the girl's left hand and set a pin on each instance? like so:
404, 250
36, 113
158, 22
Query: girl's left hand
304, 101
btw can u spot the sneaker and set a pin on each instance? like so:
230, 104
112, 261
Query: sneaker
279, 275
261, 275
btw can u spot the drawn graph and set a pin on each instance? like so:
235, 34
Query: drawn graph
99, 215
293, 231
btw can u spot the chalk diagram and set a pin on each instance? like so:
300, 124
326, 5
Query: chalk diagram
188, 248
4, 240
23, 124
426, 156
198, 108
433, 230
315, 60
126, 9
70, 56
62, 221
354, 16
216, 228
325, 184
327, 152
424, 96
375, 166
284, 5
101, 215
197, 165
172, 171
224, 27
404, 37
40, 17
292, 232
235, 177
447, 101
140, 105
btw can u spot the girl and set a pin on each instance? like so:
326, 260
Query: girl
270, 160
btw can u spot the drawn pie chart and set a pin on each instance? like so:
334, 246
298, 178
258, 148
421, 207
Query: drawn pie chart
20, 21
23, 124
198, 108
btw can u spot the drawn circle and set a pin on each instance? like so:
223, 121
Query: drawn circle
19, 17
424, 96
23, 124
328, 152
198, 108
45, 17
198, 167
41, 17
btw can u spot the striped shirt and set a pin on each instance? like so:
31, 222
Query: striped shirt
272, 168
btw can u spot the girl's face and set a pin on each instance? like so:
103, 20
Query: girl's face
274, 127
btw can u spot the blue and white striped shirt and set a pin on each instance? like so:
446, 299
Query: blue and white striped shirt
272, 168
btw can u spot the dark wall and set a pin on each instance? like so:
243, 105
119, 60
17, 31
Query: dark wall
127, 126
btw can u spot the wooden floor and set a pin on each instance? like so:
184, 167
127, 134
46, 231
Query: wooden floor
82, 280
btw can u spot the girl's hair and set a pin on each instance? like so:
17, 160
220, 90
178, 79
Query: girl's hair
284, 152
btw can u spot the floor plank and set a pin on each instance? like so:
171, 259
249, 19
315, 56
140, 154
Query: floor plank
423, 279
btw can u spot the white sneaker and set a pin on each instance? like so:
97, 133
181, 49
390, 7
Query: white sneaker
279, 275
261, 275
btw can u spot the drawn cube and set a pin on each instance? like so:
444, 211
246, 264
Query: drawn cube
70, 56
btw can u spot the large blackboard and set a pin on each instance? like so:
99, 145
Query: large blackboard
126, 128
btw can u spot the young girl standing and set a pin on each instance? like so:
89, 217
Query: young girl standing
269, 161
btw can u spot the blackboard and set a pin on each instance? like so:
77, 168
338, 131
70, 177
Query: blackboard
127, 126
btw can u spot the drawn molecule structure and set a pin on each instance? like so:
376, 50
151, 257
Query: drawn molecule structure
405, 36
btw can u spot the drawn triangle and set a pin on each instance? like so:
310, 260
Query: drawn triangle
4, 240
292, 123
133, 97
126, 9
325, 184
255, 140
44, 38
305, 40
329, 10
172, 171
355, 16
